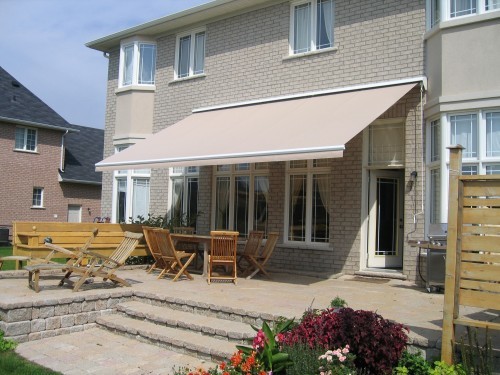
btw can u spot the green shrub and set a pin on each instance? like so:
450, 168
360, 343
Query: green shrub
304, 359
5, 344
412, 364
476, 359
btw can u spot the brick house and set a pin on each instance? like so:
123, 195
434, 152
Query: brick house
47, 164
304, 117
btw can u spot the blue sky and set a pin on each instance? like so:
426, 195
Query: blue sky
43, 47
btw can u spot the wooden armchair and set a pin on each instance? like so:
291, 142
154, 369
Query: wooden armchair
223, 253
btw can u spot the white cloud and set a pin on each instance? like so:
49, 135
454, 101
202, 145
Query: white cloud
43, 46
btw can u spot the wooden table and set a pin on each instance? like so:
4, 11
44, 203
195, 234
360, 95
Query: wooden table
195, 238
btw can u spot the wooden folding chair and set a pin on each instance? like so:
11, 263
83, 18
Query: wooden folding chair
159, 263
252, 247
102, 266
171, 258
189, 247
223, 253
258, 262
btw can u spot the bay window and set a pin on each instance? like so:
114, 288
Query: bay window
308, 201
137, 63
446, 10
241, 197
184, 196
311, 26
190, 54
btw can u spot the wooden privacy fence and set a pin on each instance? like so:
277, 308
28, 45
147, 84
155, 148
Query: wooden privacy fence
473, 252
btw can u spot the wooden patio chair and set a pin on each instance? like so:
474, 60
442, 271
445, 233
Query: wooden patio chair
159, 263
252, 246
189, 247
103, 266
172, 258
75, 258
223, 253
259, 261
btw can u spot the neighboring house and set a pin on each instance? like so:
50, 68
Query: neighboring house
304, 117
47, 165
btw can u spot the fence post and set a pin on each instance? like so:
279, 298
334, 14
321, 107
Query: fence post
450, 308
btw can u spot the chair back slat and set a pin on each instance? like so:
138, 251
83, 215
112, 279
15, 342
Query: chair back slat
223, 245
165, 244
125, 248
151, 241
253, 243
267, 251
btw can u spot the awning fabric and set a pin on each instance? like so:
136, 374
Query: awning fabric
313, 127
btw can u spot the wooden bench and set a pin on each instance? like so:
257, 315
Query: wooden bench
28, 237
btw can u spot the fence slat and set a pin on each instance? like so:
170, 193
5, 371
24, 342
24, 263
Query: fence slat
482, 202
480, 285
481, 257
482, 188
481, 216
480, 299
480, 271
481, 243
482, 229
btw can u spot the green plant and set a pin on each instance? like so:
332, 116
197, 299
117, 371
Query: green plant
412, 363
476, 359
338, 303
267, 346
304, 360
6, 344
337, 362
441, 368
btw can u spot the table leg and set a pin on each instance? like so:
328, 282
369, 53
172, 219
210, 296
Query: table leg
205, 259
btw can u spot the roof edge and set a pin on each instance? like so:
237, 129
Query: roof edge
38, 124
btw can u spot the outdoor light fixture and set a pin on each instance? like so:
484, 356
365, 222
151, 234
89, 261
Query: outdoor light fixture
89, 210
411, 181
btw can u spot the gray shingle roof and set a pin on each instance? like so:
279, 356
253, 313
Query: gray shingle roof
84, 147
19, 103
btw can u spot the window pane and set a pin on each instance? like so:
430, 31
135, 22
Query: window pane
121, 196
241, 204
242, 167
435, 203
435, 12
261, 193
222, 203
462, 7
297, 205
184, 52
320, 216
493, 134
177, 208
493, 169
192, 201
224, 168
324, 26
464, 132
199, 53
318, 163
20, 132
147, 64
30, 139
492, 4
140, 201
302, 28
435, 140
469, 170
37, 197
298, 164
128, 64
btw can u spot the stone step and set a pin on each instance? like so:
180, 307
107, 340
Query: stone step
181, 341
237, 332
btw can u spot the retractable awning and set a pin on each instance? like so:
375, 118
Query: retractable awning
311, 127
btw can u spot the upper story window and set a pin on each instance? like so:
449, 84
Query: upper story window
190, 54
311, 26
26, 139
445, 10
137, 63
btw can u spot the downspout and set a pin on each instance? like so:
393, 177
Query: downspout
61, 166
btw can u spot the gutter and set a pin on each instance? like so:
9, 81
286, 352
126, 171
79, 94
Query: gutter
37, 124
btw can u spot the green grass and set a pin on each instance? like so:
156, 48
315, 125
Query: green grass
13, 364
10, 264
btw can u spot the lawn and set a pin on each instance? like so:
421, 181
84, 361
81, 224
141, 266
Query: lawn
10, 264
13, 364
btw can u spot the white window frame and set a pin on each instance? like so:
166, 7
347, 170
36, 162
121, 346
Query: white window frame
232, 172
186, 174
39, 191
192, 34
470, 165
24, 147
445, 15
128, 176
309, 171
136, 62
313, 25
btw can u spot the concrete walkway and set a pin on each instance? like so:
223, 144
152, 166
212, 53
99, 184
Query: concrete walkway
99, 352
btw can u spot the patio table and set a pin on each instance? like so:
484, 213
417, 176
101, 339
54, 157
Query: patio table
195, 238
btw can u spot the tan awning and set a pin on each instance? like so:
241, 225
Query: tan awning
313, 127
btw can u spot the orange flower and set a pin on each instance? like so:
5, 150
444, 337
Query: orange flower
236, 359
222, 366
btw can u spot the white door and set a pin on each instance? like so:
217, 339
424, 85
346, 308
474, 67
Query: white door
385, 230
74, 213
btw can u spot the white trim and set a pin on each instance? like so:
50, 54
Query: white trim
367, 86
37, 124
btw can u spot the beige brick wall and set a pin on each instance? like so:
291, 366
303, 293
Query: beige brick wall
247, 58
